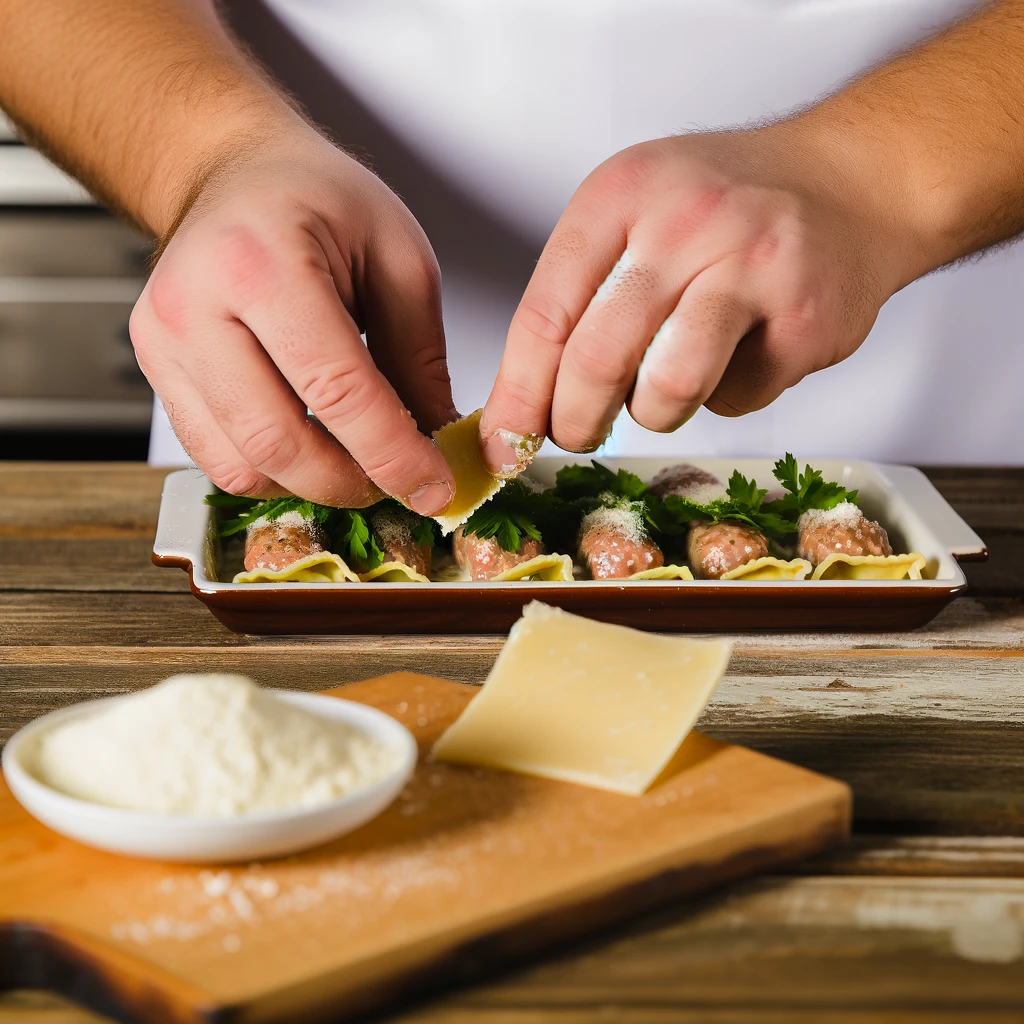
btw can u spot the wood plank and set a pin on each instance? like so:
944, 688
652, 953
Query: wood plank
114, 564
25, 1007
805, 949
81, 526
987, 497
936, 856
928, 739
908, 738
811, 949
60, 499
77, 621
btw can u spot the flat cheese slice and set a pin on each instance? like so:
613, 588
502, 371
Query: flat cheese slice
459, 443
586, 702
870, 567
320, 567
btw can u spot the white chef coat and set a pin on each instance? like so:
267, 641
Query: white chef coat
513, 102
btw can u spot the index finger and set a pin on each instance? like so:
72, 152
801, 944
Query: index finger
580, 254
307, 331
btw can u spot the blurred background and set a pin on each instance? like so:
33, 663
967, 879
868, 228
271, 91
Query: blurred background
69, 275
487, 170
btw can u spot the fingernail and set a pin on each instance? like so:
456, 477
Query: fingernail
431, 499
507, 454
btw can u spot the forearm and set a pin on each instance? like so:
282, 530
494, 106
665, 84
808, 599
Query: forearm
936, 138
139, 99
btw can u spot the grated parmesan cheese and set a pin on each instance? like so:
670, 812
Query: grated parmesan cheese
845, 515
625, 519
702, 494
293, 518
207, 745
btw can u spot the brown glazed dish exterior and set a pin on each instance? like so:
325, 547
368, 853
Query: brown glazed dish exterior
493, 608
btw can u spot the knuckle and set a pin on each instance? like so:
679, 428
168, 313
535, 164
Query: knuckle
602, 363
242, 262
628, 172
269, 445
424, 274
237, 479
517, 395
762, 249
568, 244
804, 316
390, 463
720, 314
341, 393
545, 318
164, 301
431, 367
703, 208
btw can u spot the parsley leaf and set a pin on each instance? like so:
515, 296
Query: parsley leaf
743, 501
745, 492
269, 509
575, 482
517, 511
595, 486
424, 531
352, 538
806, 490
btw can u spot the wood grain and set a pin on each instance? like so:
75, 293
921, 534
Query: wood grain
810, 948
804, 949
924, 724
888, 856
841, 949
75, 621
932, 856
926, 727
469, 869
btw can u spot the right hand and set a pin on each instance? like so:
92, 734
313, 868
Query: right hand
254, 312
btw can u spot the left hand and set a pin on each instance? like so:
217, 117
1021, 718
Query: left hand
712, 270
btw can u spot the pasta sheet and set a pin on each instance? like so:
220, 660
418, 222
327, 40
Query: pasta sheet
552, 568
321, 567
769, 569
393, 572
664, 572
870, 567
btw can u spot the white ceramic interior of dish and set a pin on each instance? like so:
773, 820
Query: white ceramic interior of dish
193, 839
901, 497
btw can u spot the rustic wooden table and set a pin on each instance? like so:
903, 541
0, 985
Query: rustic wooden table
920, 918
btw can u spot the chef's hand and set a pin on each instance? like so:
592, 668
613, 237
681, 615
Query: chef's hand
254, 313
711, 270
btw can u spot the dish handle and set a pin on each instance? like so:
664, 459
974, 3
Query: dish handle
951, 530
184, 531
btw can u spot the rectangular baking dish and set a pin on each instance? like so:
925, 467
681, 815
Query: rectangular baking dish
902, 498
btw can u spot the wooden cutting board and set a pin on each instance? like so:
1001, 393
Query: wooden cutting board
467, 871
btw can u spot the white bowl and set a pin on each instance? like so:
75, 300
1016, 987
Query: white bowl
199, 839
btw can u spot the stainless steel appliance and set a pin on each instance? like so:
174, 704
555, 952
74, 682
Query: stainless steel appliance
69, 276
